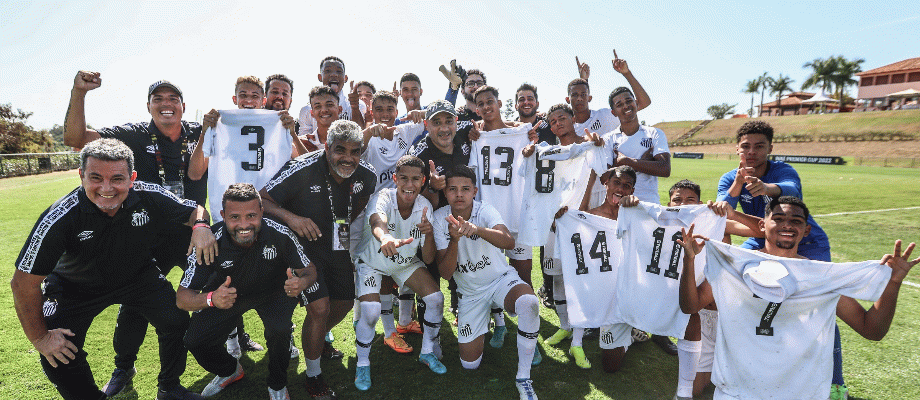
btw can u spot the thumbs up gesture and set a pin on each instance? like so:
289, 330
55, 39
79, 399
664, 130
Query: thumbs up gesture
224, 296
436, 180
293, 285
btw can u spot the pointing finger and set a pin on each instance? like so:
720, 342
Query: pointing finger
615, 57
577, 62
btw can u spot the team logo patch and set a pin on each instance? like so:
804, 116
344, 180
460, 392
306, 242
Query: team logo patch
269, 252
191, 146
548, 263
466, 149
415, 233
596, 125
647, 143
315, 189
139, 218
356, 187
85, 235
607, 338
465, 330
226, 264
49, 308
370, 281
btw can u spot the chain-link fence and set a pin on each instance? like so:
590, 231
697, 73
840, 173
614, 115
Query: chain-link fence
37, 163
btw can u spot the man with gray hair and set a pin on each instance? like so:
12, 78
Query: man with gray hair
92, 249
318, 195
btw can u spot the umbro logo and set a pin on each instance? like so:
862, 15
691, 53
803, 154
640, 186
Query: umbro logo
582, 216
226, 264
474, 237
518, 250
85, 235
315, 189
402, 144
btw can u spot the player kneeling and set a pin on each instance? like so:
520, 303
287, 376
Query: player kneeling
470, 238
402, 212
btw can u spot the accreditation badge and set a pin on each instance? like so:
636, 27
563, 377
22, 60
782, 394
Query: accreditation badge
340, 235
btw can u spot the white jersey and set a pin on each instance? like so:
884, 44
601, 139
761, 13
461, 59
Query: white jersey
590, 254
653, 262
246, 146
634, 146
554, 177
600, 122
776, 319
495, 158
308, 123
384, 203
383, 154
479, 263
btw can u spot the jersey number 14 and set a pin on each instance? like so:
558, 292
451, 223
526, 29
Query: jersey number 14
598, 252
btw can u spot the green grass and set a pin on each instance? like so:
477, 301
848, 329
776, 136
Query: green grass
874, 370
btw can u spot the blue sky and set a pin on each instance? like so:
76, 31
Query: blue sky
688, 55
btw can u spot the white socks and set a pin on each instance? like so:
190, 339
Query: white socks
688, 357
434, 313
313, 368
527, 309
233, 343
471, 364
364, 331
499, 316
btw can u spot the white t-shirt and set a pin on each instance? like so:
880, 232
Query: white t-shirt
778, 345
634, 146
495, 158
383, 154
653, 261
590, 254
600, 122
308, 123
479, 263
555, 176
246, 146
384, 203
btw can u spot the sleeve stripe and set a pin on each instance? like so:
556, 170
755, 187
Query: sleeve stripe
41, 231
286, 231
189, 273
288, 171
152, 187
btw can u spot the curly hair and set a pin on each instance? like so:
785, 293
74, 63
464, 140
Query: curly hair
755, 128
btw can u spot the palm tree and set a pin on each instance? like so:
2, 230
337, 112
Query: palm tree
778, 86
764, 81
821, 74
752, 87
843, 74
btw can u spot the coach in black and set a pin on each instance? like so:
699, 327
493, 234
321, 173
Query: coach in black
260, 265
318, 195
92, 249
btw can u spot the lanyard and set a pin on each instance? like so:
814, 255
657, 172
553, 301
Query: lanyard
159, 157
332, 204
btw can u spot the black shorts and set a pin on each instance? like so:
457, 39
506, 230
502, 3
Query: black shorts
335, 282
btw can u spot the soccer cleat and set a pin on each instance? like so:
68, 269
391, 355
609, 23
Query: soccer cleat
397, 343
546, 297
525, 389
578, 353
330, 353
121, 382
247, 344
316, 388
432, 362
363, 378
498, 337
411, 327
221, 382
279, 394
839, 392
558, 337
665, 343
178, 392
537, 357
639, 336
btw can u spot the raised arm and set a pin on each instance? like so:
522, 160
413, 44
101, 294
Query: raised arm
692, 298
75, 132
642, 98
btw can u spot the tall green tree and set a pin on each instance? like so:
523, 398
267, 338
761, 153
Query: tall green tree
752, 87
764, 81
719, 111
822, 71
779, 86
844, 73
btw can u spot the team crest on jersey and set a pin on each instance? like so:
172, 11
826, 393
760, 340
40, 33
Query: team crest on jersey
596, 125
226, 264
315, 189
49, 307
85, 235
607, 338
415, 233
356, 187
370, 281
466, 149
647, 142
269, 252
465, 330
191, 146
391, 227
140, 218
747, 198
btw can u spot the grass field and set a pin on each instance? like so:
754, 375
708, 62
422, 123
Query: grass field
874, 370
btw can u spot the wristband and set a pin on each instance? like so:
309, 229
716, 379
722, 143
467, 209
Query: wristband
202, 221
200, 225
210, 302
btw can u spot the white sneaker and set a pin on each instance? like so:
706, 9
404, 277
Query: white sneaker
279, 394
525, 389
221, 382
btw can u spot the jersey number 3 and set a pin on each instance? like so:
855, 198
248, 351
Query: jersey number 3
259, 132
598, 252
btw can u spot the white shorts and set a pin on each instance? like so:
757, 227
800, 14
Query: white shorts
519, 253
475, 309
615, 335
708, 321
368, 279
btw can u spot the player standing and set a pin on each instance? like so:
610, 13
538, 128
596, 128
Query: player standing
332, 74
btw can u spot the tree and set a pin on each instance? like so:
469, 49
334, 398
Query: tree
719, 111
821, 74
843, 74
508, 110
778, 86
16, 136
752, 87
764, 81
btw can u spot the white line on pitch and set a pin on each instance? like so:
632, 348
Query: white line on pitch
865, 212
911, 284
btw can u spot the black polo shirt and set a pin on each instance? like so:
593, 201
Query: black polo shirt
301, 187
137, 137
544, 134
94, 252
426, 150
254, 270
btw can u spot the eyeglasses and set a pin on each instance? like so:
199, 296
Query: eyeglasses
474, 83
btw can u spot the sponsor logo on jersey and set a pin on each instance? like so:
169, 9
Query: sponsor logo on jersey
466, 149
356, 187
85, 235
415, 233
269, 252
399, 259
49, 307
312, 288
607, 337
596, 125
647, 143
672, 209
370, 281
465, 330
552, 151
315, 189
226, 264
140, 218
469, 266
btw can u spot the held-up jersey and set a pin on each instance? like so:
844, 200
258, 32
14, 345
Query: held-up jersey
384, 203
590, 254
600, 122
246, 146
653, 262
635, 146
495, 158
776, 319
479, 263
555, 176
383, 154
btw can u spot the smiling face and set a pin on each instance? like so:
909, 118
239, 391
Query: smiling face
618, 187
488, 107
753, 149
166, 107
441, 129
785, 227
343, 157
473, 82
365, 94
411, 91
526, 103
325, 109
409, 181
249, 96
107, 183
683, 197
561, 123
243, 220
624, 107
384, 112
579, 97
333, 75
460, 192
279, 95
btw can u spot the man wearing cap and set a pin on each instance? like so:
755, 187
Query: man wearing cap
162, 149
